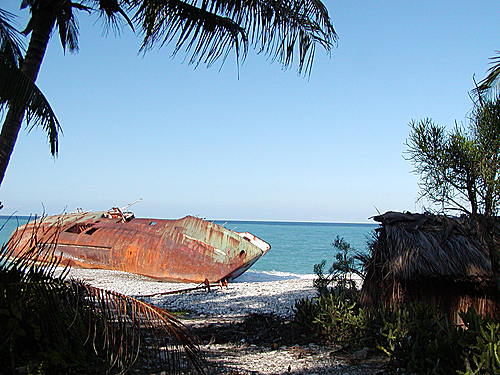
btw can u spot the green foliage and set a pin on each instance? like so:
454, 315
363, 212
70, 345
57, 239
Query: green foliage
489, 82
483, 345
340, 274
335, 314
340, 320
417, 338
39, 330
333, 317
459, 169
305, 312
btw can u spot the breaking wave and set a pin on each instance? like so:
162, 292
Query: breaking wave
262, 276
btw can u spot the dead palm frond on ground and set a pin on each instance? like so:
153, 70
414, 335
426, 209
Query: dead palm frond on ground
53, 324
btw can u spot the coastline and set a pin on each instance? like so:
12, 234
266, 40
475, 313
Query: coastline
253, 292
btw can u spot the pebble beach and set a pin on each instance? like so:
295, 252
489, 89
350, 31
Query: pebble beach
213, 310
273, 294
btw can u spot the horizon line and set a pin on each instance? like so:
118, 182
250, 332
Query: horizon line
292, 221
247, 220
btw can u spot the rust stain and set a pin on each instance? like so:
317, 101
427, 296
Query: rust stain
186, 250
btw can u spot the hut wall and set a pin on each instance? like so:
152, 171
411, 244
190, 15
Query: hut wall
448, 297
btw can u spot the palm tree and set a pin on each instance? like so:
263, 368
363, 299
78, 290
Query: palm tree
207, 30
17, 91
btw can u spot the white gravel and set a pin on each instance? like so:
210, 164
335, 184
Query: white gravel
255, 293
252, 293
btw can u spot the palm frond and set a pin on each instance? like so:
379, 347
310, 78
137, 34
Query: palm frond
206, 35
18, 91
126, 319
493, 75
47, 313
208, 30
10, 42
67, 26
113, 13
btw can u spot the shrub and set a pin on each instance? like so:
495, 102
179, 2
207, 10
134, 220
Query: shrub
334, 317
340, 319
483, 344
348, 262
418, 338
305, 312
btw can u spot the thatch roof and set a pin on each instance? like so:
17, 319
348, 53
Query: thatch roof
430, 259
423, 246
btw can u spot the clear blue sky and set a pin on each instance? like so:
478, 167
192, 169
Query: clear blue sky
269, 145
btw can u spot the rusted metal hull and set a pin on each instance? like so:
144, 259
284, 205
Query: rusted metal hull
184, 250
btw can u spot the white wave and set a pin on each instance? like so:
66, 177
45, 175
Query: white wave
263, 276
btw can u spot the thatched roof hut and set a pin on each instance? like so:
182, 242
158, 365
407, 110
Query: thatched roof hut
430, 259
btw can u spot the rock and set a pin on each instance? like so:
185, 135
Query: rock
361, 354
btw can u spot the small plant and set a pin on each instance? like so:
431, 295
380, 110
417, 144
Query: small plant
333, 317
340, 320
348, 262
335, 314
418, 338
305, 312
483, 344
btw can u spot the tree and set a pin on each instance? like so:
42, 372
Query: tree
16, 89
460, 170
207, 30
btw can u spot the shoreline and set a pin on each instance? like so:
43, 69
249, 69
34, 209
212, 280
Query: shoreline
274, 293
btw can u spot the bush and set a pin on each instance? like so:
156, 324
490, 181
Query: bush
418, 339
334, 317
348, 262
483, 344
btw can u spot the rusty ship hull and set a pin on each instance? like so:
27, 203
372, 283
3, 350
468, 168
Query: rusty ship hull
183, 250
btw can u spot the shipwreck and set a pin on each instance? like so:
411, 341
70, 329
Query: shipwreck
184, 250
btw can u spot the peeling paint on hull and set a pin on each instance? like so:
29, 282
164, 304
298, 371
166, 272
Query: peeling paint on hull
183, 250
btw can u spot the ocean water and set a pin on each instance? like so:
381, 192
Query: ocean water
295, 247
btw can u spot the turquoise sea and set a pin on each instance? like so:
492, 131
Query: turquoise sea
295, 247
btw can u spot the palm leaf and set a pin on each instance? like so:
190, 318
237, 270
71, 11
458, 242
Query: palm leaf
113, 327
67, 26
18, 91
113, 13
10, 41
493, 75
208, 30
